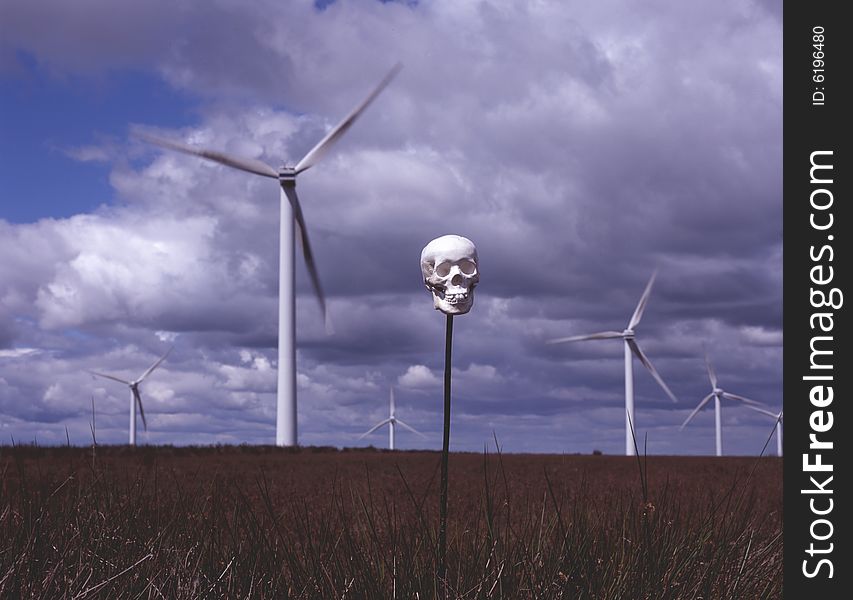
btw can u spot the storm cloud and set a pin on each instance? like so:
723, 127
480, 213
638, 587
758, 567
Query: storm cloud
580, 145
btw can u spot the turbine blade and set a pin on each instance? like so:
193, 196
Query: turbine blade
410, 428
141, 410
104, 375
641, 305
392, 401
323, 146
604, 335
308, 255
250, 165
154, 366
711, 374
647, 363
697, 409
374, 428
746, 401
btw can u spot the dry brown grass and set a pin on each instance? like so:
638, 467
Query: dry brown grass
262, 522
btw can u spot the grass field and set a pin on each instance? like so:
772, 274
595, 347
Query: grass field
263, 522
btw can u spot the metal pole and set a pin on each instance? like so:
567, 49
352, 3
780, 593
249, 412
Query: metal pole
132, 439
445, 449
629, 401
718, 425
285, 422
778, 437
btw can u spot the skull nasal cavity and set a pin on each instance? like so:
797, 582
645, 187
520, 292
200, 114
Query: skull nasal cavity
457, 279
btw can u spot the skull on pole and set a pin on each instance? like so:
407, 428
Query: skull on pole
451, 271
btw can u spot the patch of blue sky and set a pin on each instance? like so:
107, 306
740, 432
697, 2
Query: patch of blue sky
44, 118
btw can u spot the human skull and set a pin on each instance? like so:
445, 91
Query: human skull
451, 272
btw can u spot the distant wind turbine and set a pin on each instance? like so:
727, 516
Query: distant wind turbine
776, 417
631, 347
135, 396
391, 421
717, 393
291, 213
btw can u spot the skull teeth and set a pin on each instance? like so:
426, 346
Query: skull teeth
456, 298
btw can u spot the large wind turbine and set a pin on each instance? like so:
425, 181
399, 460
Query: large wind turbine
717, 393
135, 396
631, 347
776, 417
391, 421
291, 212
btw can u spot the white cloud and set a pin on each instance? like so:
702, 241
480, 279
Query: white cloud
418, 376
760, 336
18, 352
100, 154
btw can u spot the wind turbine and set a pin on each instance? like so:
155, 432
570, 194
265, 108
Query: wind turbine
391, 421
717, 393
776, 417
631, 347
135, 396
291, 213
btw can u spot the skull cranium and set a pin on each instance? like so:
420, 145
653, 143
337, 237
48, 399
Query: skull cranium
451, 272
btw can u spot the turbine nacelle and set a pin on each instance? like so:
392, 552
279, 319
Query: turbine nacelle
287, 174
629, 334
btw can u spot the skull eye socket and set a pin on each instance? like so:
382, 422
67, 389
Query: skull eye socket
442, 269
467, 266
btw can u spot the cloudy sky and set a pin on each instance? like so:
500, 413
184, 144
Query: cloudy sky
580, 145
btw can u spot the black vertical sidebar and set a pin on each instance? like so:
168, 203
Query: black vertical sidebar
818, 432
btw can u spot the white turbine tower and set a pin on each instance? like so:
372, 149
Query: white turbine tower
631, 347
776, 417
135, 396
717, 393
391, 421
291, 213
